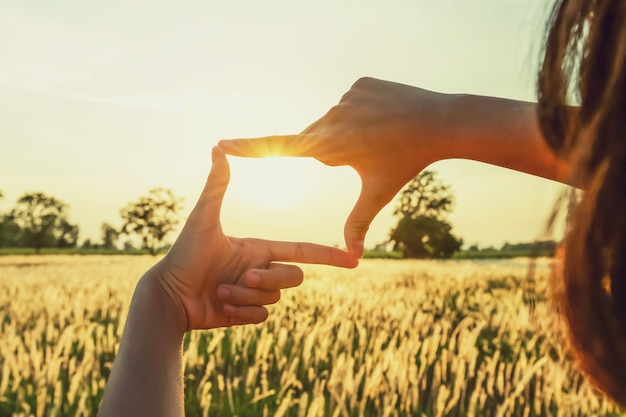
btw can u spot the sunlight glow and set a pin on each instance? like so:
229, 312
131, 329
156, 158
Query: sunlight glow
272, 182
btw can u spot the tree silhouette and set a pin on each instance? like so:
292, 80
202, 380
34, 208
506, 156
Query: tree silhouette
425, 237
41, 221
8, 230
66, 234
109, 236
425, 195
422, 231
152, 218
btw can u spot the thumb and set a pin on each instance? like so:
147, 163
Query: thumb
210, 201
374, 196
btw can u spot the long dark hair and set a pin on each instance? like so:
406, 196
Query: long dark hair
582, 113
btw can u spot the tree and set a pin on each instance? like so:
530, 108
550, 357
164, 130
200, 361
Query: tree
152, 217
8, 229
66, 234
9, 232
425, 195
41, 222
109, 236
422, 231
425, 237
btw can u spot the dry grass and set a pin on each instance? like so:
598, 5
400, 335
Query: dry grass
392, 338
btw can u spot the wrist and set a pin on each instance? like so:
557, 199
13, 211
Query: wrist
500, 132
147, 371
153, 295
431, 120
475, 124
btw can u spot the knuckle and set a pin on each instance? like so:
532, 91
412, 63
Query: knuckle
362, 82
360, 227
335, 112
299, 251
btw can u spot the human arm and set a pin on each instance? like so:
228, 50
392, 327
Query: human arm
389, 132
206, 280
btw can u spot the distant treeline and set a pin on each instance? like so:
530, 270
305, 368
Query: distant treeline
544, 248
511, 250
40, 221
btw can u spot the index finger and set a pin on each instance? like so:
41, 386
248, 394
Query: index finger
310, 253
279, 145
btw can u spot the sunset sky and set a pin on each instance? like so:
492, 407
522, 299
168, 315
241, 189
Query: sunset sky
100, 102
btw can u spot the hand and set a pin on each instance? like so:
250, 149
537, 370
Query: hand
217, 280
386, 131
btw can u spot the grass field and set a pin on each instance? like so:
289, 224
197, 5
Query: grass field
392, 338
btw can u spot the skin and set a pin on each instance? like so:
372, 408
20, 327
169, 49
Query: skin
389, 132
207, 280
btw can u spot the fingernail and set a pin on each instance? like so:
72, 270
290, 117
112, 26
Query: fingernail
358, 249
215, 152
223, 292
224, 144
253, 279
354, 262
230, 309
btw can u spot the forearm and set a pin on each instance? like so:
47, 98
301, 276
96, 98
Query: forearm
501, 132
146, 379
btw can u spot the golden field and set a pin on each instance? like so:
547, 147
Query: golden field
391, 338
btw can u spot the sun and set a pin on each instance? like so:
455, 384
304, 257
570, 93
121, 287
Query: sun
272, 182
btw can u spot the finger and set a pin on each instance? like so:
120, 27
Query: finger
276, 277
210, 201
245, 296
280, 145
245, 314
373, 197
309, 253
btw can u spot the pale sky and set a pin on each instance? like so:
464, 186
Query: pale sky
100, 102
